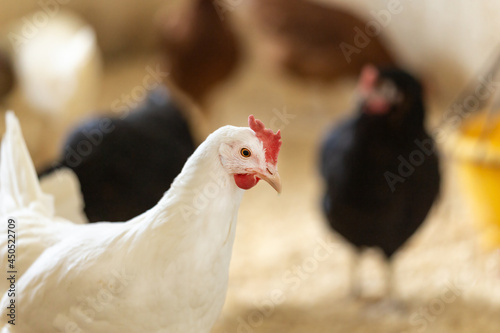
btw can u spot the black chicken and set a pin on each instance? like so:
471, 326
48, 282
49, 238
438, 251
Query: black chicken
125, 165
380, 167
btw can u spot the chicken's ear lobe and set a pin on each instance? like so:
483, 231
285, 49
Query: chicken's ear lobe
224, 151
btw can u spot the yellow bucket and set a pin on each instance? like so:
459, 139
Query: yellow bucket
477, 154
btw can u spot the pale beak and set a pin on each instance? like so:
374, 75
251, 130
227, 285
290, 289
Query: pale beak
271, 176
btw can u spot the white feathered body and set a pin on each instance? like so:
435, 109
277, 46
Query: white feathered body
164, 271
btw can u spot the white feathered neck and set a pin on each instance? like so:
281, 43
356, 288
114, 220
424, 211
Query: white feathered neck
203, 196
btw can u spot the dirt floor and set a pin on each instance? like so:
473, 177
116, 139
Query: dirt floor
290, 273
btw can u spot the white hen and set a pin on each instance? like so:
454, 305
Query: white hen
163, 271
57, 68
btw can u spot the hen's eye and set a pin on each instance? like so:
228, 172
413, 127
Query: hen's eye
245, 152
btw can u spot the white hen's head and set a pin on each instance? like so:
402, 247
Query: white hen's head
252, 155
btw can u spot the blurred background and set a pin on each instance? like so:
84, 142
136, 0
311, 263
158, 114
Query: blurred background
63, 62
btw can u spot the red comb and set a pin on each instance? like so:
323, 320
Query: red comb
271, 141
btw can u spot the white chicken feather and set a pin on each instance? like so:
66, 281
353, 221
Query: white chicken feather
163, 271
22, 197
64, 187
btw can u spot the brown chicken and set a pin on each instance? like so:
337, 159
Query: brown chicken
201, 49
320, 42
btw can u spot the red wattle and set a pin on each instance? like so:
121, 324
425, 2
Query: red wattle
245, 181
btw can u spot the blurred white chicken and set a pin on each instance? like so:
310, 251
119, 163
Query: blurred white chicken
57, 69
163, 271
64, 187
